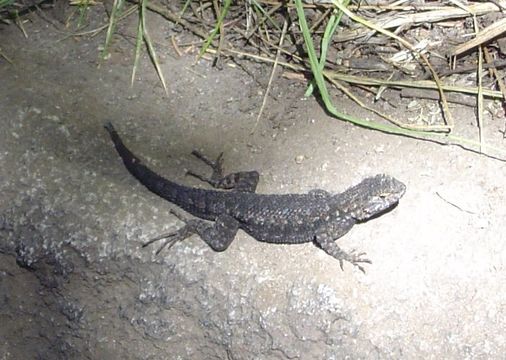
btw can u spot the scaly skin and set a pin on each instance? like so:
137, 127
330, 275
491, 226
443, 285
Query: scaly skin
318, 216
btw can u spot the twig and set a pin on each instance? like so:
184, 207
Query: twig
420, 18
485, 35
496, 76
434, 95
385, 116
222, 34
497, 64
170, 15
446, 111
454, 205
175, 46
274, 66
423, 84
6, 57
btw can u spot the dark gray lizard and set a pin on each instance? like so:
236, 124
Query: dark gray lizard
318, 216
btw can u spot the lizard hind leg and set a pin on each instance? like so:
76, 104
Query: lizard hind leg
218, 235
244, 181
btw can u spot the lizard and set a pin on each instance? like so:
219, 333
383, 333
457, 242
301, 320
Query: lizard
317, 216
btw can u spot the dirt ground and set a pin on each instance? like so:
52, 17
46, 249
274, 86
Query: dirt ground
75, 282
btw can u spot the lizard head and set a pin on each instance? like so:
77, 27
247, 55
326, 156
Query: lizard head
373, 196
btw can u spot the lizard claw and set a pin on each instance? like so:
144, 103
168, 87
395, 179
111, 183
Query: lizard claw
216, 165
171, 238
341, 264
355, 259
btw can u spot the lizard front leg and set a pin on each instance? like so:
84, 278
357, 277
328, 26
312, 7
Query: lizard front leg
218, 235
245, 181
327, 235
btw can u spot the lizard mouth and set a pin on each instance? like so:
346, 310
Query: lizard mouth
377, 206
369, 214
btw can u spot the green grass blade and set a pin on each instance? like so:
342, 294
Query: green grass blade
442, 138
138, 44
185, 6
216, 29
115, 13
4, 3
83, 9
149, 44
265, 14
330, 29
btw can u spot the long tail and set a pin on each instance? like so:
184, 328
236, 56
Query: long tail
154, 182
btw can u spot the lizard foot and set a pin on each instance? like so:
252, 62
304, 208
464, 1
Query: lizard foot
355, 259
243, 181
217, 167
173, 237
327, 243
218, 235
170, 238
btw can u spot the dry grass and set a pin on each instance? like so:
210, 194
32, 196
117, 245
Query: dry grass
354, 48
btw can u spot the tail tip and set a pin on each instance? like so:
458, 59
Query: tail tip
108, 126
